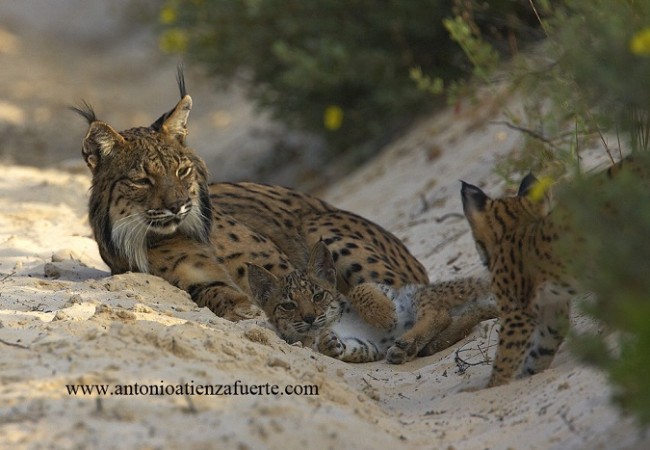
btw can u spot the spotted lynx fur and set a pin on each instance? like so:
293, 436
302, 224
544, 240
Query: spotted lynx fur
305, 306
515, 238
152, 210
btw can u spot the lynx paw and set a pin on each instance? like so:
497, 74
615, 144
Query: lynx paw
383, 318
329, 344
400, 352
373, 306
243, 311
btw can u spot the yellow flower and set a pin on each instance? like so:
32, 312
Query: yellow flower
640, 42
538, 191
333, 117
174, 40
167, 15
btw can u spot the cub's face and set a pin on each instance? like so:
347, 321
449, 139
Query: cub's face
302, 303
299, 307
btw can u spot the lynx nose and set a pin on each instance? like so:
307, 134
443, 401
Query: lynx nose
309, 318
177, 206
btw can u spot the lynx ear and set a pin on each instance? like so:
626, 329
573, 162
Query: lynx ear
99, 142
262, 284
176, 123
474, 199
321, 264
538, 191
526, 185
100, 138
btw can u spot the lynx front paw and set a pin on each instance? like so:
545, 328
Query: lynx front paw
243, 311
329, 344
400, 352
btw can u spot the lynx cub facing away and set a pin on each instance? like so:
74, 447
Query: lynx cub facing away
514, 237
306, 306
152, 210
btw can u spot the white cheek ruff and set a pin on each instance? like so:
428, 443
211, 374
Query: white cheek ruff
193, 225
129, 237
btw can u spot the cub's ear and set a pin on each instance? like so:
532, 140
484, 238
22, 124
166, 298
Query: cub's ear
262, 284
526, 185
474, 199
538, 191
321, 264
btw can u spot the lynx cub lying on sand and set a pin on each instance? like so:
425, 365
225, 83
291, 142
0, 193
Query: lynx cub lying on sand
306, 306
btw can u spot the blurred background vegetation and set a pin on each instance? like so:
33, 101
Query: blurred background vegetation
340, 69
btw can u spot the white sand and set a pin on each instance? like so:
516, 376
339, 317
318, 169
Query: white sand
64, 320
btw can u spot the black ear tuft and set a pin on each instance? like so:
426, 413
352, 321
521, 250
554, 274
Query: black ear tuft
86, 111
526, 185
180, 79
474, 199
174, 121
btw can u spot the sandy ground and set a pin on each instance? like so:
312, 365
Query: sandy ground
64, 321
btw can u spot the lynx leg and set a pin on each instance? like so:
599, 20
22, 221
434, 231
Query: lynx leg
348, 349
517, 328
459, 328
552, 327
429, 323
370, 302
190, 266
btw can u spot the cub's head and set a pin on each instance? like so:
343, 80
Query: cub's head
146, 185
492, 219
301, 303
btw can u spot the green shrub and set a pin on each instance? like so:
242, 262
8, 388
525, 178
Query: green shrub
605, 53
602, 52
338, 68
611, 223
605, 50
588, 83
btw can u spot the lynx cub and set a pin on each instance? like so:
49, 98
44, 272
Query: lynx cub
306, 306
515, 237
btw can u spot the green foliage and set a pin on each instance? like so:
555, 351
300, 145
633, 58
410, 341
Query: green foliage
301, 58
598, 51
597, 83
305, 59
591, 79
481, 55
612, 258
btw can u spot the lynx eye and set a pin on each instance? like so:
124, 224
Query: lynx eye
318, 297
182, 172
142, 182
288, 306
